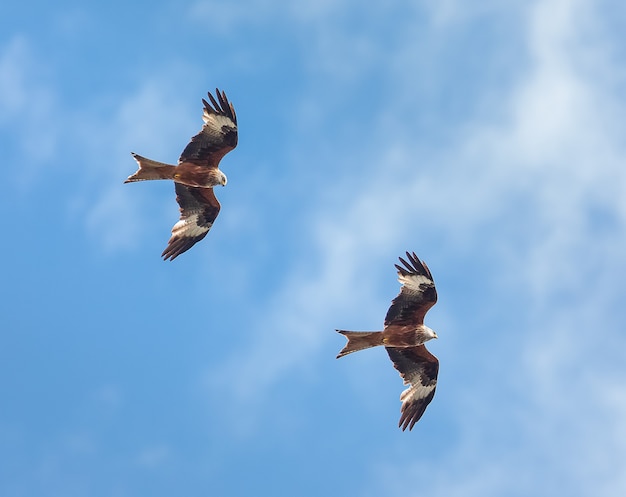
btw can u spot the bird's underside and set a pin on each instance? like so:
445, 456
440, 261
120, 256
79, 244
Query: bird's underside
196, 174
404, 336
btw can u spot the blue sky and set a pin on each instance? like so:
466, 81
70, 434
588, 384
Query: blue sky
488, 138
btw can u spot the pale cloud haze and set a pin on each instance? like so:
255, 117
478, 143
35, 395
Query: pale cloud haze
486, 138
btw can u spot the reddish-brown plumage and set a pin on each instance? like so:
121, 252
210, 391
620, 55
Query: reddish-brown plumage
199, 176
391, 336
403, 337
196, 174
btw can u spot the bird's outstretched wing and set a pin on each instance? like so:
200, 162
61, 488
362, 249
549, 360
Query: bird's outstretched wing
217, 137
198, 210
417, 295
418, 368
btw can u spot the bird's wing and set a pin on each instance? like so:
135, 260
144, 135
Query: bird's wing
418, 368
198, 209
217, 137
417, 294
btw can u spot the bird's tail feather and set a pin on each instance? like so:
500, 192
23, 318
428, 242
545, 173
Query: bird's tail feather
150, 169
359, 340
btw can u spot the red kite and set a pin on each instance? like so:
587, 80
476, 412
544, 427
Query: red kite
403, 336
196, 174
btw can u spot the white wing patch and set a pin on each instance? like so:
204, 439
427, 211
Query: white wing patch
216, 121
413, 281
189, 227
416, 392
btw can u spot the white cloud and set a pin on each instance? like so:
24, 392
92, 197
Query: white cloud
94, 141
148, 121
13, 88
27, 107
517, 190
113, 220
562, 156
520, 187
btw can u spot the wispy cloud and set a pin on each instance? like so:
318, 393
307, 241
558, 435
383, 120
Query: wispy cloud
488, 138
26, 101
91, 143
519, 185
558, 149
149, 121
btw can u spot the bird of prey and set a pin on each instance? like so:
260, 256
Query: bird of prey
196, 174
403, 336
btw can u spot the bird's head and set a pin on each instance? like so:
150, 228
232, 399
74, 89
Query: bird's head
222, 178
426, 333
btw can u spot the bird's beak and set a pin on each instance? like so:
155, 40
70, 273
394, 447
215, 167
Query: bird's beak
436, 335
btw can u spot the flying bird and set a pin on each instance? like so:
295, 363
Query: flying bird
403, 336
196, 174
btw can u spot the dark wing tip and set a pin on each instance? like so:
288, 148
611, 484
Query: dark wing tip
404, 422
175, 247
415, 266
400, 269
408, 418
220, 106
179, 245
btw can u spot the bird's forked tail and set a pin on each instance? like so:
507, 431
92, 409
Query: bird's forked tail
359, 340
150, 169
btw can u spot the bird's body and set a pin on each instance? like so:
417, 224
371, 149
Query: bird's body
196, 174
403, 337
185, 173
